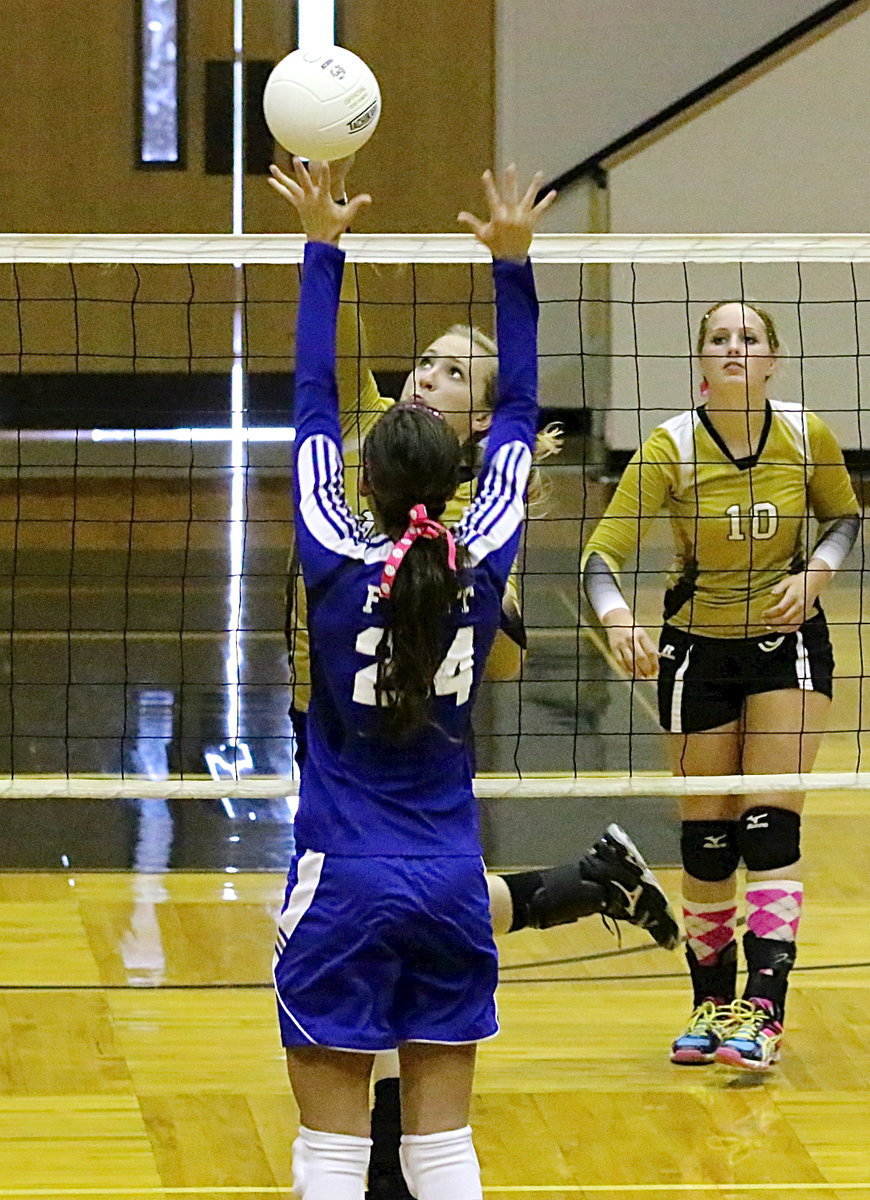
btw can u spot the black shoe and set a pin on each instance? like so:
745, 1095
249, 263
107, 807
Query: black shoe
633, 893
386, 1181
387, 1184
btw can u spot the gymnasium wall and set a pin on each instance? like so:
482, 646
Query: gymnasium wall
783, 152
779, 154
787, 153
574, 75
67, 91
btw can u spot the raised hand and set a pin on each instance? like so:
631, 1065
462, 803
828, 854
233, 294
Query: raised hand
512, 218
323, 218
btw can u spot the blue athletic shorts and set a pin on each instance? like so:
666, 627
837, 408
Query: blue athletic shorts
373, 952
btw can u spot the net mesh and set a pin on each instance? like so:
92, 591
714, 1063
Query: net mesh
145, 518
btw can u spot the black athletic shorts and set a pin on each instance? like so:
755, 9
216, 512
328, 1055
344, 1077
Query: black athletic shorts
704, 681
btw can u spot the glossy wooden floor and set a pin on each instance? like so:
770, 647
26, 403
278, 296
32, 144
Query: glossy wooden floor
109, 1087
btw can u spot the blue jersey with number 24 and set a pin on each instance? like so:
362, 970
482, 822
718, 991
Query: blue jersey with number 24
361, 794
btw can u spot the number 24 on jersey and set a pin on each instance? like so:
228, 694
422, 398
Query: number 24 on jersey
454, 677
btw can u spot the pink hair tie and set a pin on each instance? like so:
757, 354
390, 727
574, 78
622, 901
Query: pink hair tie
421, 525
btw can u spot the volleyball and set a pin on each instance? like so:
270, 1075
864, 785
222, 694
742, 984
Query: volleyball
322, 104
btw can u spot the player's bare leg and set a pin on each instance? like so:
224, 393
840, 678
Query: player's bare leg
331, 1152
437, 1151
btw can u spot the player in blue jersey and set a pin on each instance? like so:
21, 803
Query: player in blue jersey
534, 898
385, 939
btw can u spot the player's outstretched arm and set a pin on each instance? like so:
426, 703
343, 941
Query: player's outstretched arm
512, 217
309, 190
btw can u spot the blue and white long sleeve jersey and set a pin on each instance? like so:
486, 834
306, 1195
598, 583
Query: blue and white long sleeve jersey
361, 794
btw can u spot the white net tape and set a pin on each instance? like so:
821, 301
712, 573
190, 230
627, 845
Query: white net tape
497, 788
434, 248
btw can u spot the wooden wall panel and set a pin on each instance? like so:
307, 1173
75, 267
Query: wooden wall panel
435, 63
67, 91
68, 95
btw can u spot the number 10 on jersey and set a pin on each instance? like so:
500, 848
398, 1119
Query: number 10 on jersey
763, 519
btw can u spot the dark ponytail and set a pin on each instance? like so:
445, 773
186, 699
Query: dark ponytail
413, 457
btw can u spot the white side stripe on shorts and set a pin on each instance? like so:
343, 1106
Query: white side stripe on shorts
307, 879
802, 665
677, 695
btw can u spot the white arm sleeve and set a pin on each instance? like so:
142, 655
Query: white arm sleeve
837, 540
601, 587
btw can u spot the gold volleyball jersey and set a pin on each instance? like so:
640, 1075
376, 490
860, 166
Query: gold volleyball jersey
739, 526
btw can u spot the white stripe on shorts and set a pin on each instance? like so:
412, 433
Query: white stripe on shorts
677, 695
802, 665
307, 878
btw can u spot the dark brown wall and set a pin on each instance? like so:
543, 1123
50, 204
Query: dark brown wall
67, 98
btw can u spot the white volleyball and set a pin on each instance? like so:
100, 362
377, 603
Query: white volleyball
322, 104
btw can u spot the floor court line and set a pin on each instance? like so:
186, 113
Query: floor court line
686, 1189
268, 985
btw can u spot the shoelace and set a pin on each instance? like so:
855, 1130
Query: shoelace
719, 1017
612, 927
703, 1016
747, 1019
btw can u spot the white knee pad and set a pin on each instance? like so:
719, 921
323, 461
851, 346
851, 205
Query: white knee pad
329, 1166
441, 1166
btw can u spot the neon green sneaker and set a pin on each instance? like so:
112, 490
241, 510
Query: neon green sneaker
752, 1041
708, 1026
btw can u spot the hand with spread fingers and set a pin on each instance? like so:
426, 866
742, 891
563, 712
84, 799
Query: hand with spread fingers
512, 217
311, 194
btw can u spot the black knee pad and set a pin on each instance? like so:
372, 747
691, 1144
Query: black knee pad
564, 896
769, 838
709, 849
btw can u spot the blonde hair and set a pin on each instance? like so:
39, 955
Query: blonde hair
549, 439
765, 317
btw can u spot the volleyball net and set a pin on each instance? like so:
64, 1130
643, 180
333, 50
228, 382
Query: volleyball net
145, 523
